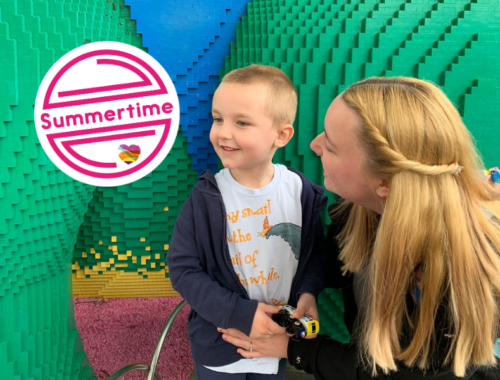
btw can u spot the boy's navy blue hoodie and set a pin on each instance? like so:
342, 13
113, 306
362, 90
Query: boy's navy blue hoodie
201, 270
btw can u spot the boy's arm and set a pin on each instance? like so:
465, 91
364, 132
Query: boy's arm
218, 305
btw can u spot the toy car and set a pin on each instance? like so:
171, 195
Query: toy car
298, 328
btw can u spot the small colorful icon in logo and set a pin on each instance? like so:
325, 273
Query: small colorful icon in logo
129, 154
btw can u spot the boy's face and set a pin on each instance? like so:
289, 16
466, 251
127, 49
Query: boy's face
242, 133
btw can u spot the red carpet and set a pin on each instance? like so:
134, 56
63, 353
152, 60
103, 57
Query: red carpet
118, 332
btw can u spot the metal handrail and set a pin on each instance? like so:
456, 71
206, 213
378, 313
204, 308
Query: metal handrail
163, 335
132, 367
151, 369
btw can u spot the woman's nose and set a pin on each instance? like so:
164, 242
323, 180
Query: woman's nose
316, 146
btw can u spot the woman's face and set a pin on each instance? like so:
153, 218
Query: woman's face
342, 157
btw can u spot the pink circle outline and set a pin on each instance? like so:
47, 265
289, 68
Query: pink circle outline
74, 61
161, 91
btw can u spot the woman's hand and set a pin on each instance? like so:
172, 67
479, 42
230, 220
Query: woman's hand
307, 306
263, 326
274, 347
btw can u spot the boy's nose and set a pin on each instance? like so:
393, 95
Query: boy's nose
225, 131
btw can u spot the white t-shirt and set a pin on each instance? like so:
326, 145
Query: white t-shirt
263, 234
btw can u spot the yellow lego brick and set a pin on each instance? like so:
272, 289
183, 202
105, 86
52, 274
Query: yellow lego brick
162, 264
92, 250
121, 265
157, 256
122, 257
100, 242
144, 259
97, 255
84, 254
165, 208
119, 284
129, 253
134, 259
153, 265
112, 260
166, 247
143, 239
113, 239
148, 248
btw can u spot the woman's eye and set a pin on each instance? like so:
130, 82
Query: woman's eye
217, 120
242, 123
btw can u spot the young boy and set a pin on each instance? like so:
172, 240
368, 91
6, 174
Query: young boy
250, 238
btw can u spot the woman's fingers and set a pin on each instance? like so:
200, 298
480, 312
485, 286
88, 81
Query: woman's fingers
275, 347
244, 345
238, 342
248, 354
234, 333
311, 336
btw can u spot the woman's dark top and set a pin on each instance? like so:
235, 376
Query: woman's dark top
328, 359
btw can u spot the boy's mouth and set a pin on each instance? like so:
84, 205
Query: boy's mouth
228, 149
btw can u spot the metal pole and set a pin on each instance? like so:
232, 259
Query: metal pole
164, 333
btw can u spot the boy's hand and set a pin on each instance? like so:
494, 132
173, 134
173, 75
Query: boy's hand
263, 326
307, 306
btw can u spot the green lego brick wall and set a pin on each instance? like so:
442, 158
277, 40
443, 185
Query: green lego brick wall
41, 207
324, 46
123, 241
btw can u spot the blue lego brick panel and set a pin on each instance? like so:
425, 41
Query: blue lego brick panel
191, 40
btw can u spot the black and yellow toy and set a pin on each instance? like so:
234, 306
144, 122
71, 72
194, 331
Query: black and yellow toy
298, 328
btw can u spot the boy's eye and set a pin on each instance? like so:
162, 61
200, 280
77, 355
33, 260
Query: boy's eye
242, 123
217, 120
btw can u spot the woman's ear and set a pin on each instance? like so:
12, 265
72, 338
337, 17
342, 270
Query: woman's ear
382, 189
285, 133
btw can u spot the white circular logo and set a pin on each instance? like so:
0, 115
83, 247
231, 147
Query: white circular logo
107, 114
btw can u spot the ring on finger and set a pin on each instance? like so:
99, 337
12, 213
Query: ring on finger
251, 347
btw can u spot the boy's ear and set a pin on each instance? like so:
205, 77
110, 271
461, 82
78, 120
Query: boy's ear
285, 133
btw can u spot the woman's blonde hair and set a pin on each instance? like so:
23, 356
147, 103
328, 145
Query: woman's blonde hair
435, 216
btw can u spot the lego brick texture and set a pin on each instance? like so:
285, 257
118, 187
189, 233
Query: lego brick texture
49, 222
123, 242
41, 207
127, 229
191, 39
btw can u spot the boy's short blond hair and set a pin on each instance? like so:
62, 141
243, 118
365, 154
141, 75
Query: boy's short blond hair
281, 100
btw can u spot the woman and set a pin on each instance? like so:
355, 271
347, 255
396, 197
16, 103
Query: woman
418, 239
